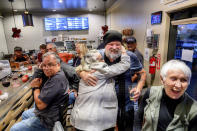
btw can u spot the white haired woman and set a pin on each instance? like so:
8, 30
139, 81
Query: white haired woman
168, 107
96, 107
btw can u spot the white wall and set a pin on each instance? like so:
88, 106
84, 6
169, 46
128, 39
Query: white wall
136, 14
32, 37
3, 45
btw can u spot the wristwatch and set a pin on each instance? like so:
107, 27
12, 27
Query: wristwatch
34, 88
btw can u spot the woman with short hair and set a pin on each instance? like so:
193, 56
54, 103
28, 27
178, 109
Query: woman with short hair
168, 107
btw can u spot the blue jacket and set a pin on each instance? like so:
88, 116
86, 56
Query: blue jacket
135, 66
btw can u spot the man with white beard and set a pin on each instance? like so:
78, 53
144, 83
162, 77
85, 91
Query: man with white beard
111, 55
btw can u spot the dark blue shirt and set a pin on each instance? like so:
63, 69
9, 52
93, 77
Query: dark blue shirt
134, 67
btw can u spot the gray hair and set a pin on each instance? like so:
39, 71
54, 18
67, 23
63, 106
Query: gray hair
175, 64
54, 55
53, 45
91, 56
90, 61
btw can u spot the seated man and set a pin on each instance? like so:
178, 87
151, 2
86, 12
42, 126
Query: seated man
65, 57
69, 72
19, 57
48, 98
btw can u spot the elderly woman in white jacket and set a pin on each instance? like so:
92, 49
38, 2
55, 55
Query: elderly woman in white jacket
96, 107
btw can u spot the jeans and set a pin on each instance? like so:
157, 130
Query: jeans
71, 98
125, 123
29, 123
28, 113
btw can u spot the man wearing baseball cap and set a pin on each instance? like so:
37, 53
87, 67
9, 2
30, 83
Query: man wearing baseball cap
132, 46
19, 57
111, 55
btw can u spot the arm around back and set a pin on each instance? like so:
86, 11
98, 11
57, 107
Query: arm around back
71, 75
118, 68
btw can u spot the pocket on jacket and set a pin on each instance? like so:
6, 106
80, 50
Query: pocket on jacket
109, 95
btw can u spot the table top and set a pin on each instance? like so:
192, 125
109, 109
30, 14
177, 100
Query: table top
15, 91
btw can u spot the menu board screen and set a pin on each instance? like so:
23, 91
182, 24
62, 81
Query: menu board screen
77, 23
55, 23
68, 23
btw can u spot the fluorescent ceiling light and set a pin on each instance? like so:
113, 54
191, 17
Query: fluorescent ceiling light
60, 1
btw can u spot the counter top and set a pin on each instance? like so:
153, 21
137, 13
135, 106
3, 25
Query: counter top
14, 95
15, 91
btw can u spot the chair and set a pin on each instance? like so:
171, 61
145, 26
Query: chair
63, 110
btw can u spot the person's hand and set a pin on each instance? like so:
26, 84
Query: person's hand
88, 78
75, 92
40, 65
21, 64
134, 77
136, 92
36, 82
123, 50
26, 62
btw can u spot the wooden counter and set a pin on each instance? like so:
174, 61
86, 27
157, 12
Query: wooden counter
14, 95
19, 99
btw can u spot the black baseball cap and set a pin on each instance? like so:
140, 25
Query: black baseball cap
131, 40
17, 48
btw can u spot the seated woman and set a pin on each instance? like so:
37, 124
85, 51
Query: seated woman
96, 107
40, 54
168, 107
81, 49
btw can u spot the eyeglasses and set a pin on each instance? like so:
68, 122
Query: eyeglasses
48, 65
49, 49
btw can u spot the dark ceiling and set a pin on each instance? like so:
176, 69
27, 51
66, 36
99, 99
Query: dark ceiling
58, 5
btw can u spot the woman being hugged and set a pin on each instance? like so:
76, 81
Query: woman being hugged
96, 107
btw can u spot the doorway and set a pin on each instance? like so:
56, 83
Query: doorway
182, 39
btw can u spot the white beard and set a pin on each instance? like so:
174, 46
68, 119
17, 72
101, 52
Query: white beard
113, 56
